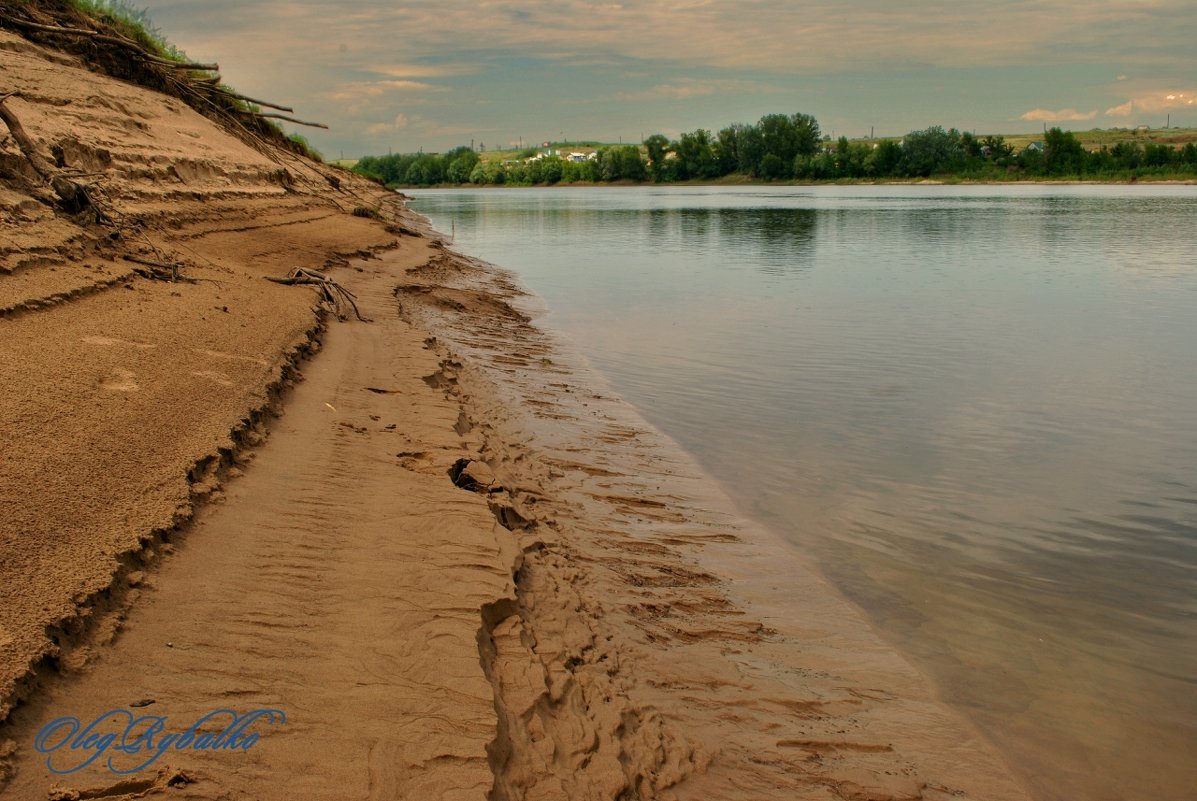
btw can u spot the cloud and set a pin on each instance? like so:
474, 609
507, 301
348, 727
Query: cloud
407, 86
1155, 102
419, 125
400, 122
774, 35
1062, 115
362, 89
686, 88
407, 71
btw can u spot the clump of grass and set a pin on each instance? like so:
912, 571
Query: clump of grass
303, 147
134, 23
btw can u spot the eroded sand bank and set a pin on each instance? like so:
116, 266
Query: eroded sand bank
585, 619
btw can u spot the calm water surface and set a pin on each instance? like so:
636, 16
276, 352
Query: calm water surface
976, 406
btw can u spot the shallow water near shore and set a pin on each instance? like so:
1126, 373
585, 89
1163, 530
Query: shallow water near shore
973, 405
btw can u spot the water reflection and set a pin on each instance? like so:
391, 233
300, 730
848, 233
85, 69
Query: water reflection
775, 240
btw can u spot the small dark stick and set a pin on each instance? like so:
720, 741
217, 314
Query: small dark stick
292, 119
161, 271
246, 98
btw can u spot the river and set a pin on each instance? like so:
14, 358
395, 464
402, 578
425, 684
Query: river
975, 406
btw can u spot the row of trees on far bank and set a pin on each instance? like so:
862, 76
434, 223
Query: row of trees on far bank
950, 153
791, 147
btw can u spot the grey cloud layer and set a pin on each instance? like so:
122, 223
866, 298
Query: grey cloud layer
757, 34
368, 62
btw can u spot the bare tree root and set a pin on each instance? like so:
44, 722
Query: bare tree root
330, 291
291, 119
161, 271
72, 195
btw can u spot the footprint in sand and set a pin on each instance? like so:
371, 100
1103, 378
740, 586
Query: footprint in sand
212, 375
119, 380
109, 341
219, 354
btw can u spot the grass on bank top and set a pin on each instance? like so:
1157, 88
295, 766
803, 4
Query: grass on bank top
134, 23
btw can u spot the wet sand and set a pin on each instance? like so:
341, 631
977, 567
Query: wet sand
458, 564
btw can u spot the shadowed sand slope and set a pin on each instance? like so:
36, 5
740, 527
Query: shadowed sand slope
337, 581
120, 396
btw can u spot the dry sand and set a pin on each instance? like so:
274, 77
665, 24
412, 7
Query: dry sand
584, 617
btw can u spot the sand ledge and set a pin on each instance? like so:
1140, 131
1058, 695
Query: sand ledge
97, 614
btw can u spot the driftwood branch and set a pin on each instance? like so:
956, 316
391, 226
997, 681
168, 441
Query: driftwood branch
73, 195
292, 119
330, 290
213, 87
42, 167
260, 102
162, 271
37, 26
181, 65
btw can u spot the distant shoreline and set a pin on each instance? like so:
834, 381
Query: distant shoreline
849, 182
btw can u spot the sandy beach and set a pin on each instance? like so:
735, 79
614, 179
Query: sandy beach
433, 539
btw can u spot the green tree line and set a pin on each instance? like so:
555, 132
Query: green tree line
791, 147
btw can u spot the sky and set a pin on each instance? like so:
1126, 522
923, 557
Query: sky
408, 75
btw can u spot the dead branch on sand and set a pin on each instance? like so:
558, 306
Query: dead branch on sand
330, 290
160, 271
292, 119
212, 85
